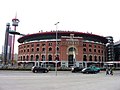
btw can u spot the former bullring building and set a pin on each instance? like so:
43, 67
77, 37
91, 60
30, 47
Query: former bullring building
73, 48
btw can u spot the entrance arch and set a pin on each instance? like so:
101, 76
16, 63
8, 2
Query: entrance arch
71, 56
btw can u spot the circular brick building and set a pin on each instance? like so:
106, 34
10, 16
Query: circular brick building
68, 48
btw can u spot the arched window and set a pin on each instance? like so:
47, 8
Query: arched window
31, 57
102, 59
84, 49
94, 50
57, 48
43, 57
90, 58
57, 58
50, 49
90, 50
99, 58
23, 58
50, 44
43, 49
84, 58
27, 57
37, 49
37, 57
95, 58
50, 57
71, 49
32, 50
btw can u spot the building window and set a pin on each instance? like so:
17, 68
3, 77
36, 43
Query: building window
102, 51
84, 45
90, 45
21, 51
102, 59
27, 50
43, 44
43, 49
32, 45
58, 44
50, 49
50, 58
24, 51
84, 49
90, 50
98, 51
43, 57
31, 57
71, 49
98, 46
94, 50
27, 45
37, 57
57, 58
32, 50
84, 58
57, 48
94, 46
37, 49
99, 58
27, 57
95, 58
23, 58
90, 58
38, 45
50, 44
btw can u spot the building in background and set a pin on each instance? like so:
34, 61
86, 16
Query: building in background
110, 49
117, 51
81, 49
113, 53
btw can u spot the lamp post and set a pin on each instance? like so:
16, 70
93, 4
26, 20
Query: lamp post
6, 43
45, 53
56, 47
15, 22
73, 50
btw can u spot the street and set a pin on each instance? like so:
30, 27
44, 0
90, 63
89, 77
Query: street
65, 80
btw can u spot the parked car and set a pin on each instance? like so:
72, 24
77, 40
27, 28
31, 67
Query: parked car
97, 69
36, 69
76, 69
91, 70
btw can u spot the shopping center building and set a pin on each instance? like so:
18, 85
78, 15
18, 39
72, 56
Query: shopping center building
67, 48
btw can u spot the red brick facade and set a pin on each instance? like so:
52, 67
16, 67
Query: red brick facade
67, 47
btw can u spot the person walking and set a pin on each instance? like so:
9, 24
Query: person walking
107, 71
111, 71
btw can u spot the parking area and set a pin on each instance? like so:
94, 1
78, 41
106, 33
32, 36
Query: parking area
65, 80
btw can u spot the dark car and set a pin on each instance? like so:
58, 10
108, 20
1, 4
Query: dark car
90, 70
76, 69
36, 69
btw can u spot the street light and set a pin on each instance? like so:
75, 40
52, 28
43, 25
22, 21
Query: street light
56, 47
73, 50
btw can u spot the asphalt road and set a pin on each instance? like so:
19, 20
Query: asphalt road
65, 80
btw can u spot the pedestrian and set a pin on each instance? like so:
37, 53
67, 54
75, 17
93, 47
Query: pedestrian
111, 71
107, 71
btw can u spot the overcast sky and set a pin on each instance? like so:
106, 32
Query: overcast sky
101, 17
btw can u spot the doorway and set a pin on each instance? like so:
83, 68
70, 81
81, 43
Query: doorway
70, 61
